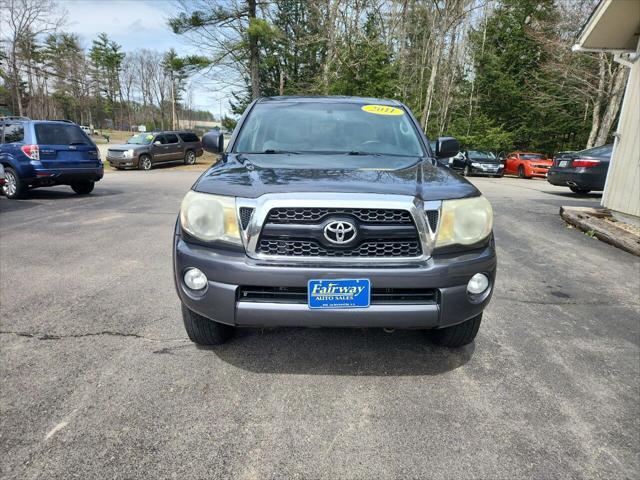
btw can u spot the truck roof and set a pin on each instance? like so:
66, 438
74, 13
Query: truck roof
330, 99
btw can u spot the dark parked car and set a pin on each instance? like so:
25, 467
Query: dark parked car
581, 171
477, 162
333, 211
42, 153
145, 150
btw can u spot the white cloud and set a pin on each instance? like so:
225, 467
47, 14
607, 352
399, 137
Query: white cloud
136, 24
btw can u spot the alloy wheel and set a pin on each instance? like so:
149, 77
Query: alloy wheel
146, 163
191, 158
10, 186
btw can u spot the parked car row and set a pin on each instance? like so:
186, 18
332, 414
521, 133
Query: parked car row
40, 153
581, 171
37, 153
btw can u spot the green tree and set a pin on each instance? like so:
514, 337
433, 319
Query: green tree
365, 66
513, 89
106, 58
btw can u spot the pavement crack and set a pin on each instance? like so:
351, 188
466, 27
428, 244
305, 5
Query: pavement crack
110, 333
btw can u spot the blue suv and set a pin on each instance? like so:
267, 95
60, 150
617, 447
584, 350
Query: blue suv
44, 153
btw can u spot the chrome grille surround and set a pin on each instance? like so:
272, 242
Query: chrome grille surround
115, 153
323, 200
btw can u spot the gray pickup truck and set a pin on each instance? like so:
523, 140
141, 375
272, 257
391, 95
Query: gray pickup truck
333, 212
145, 150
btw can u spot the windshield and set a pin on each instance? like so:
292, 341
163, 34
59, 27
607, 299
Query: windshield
478, 155
531, 156
328, 128
141, 139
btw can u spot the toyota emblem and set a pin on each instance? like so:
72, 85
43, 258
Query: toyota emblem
340, 232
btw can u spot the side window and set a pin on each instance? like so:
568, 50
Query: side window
171, 138
13, 132
189, 137
161, 139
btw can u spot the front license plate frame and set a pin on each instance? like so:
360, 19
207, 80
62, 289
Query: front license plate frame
340, 293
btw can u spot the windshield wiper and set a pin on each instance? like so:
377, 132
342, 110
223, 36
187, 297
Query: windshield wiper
357, 152
271, 150
78, 143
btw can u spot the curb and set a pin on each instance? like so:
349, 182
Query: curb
595, 220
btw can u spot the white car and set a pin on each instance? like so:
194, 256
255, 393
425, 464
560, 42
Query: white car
85, 129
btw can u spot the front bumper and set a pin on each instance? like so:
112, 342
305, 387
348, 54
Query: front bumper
123, 162
228, 270
490, 171
539, 171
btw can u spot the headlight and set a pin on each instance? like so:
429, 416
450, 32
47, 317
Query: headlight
210, 217
465, 221
128, 153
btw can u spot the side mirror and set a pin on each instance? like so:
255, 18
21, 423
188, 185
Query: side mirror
213, 142
157, 142
447, 147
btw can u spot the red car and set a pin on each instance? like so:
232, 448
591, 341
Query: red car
527, 164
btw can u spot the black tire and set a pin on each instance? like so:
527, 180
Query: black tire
521, 172
84, 187
580, 191
203, 331
190, 157
458, 335
145, 163
467, 171
13, 188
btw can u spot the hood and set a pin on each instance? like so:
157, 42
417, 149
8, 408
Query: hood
542, 161
250, 176
125, 146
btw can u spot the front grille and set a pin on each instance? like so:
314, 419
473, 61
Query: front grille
304, 248
314, 215
379, 296
299, 232
115, 153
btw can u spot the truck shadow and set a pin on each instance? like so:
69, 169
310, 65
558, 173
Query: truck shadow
354, 352
34, 198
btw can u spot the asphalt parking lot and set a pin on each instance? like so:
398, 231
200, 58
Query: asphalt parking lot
98, 379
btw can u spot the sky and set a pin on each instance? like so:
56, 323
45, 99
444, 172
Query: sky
138, 24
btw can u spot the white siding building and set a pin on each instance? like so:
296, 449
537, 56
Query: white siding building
614, 27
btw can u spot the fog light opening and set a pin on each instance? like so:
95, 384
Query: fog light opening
195, 279
478, 284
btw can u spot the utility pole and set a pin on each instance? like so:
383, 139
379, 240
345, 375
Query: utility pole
173, 104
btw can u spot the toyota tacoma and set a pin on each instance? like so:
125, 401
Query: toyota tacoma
332, 212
